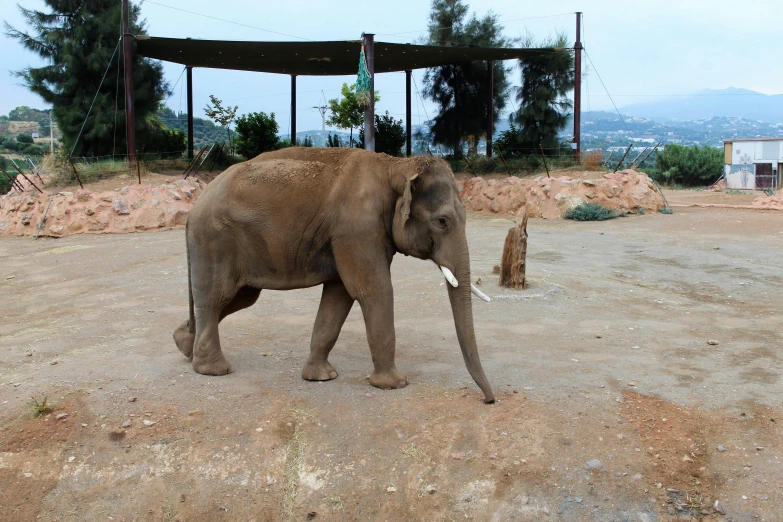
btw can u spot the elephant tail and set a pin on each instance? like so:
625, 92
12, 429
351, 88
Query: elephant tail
192, 316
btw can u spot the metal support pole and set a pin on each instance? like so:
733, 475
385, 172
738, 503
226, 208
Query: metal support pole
637, 157
490, 105
543, 157
623, 158
578, 89
22, 174
130, 113
190, 112
408, 148
293, 110
650, 154
369, 112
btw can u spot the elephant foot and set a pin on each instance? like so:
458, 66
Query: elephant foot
218, 366
388, 379
185, 339
318, 371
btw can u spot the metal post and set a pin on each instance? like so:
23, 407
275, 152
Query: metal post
369, 112
293, 110
490, 104
650, 154
578, 89
130, 113
623, 158
637, 157
408, 148
190, 112
543, 157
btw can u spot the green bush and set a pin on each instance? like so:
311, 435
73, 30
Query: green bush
25, 138
256, 133
11, 145
168, 144
666, 210
590, 212
33, 150
689, 166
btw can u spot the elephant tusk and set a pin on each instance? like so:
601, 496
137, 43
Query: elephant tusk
479, 293
449, 276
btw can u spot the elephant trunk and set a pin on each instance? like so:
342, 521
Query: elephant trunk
462, 310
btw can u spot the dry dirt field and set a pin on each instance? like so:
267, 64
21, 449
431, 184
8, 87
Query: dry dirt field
613, 405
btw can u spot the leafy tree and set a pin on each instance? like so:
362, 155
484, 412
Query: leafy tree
306, 143
690, 166
333, 141
25, 138
460, 90
256, 133
221, 115
346, 112
389, 135
77, 39
544, 108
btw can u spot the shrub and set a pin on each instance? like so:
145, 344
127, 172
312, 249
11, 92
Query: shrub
25, 138
256, 133
389, 135
33, 150
11, 145
590, 212
167, 143
689, 166
666, 210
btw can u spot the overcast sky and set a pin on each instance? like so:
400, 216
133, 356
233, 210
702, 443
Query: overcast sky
640, 50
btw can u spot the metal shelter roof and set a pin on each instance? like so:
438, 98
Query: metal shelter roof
335, 58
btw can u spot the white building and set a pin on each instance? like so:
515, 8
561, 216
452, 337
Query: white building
753, 163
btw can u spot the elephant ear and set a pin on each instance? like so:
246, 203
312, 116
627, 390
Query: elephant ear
407, 196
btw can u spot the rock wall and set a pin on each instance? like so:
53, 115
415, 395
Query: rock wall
550, 198
132, 208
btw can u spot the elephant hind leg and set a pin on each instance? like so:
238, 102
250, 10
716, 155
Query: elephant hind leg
185, 337
335, 305
208, 358
245, 298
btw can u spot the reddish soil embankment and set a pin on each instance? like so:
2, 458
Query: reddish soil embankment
131, 208
550, 198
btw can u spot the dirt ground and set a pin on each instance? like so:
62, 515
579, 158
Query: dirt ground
613, 404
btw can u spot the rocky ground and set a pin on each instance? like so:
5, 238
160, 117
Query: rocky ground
639, 378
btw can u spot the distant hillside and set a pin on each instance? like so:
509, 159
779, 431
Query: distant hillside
709, 103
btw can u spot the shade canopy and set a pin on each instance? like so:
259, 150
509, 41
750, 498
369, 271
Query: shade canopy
316, 58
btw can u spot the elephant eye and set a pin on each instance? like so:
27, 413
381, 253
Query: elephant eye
442, 222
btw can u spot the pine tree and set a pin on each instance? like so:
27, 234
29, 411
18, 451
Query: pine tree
78, 38
544, 108
461, 90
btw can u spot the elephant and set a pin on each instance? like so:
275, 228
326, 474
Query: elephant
301, 217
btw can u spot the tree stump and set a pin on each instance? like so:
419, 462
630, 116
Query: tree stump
512, 265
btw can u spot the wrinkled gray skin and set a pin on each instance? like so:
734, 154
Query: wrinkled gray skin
297, 218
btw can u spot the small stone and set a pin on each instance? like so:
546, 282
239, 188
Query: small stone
578, 500
721, 448
61, 416
84, 425
71, 458
713, 342
148, 422
54, 362
593, 464
369, 395
631, 384
759, 448
391, 489
126, 424
716, 248
598, 336
430, 489
131, 399
121, 206
259, 430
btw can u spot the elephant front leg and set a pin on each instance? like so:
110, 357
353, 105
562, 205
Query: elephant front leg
335, 305
378, 310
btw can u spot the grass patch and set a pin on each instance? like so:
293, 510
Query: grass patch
590, 212
666, 210
40, 407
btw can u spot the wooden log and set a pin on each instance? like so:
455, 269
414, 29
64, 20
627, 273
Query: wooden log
512, 265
